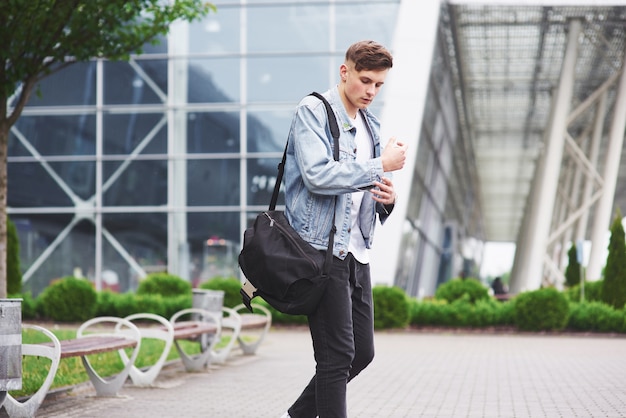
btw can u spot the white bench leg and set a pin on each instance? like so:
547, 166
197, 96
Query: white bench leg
250, 347
198, 362
233, 323
28, 408
164, 332
110, 387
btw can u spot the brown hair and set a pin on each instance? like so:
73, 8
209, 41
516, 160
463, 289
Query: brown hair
369, 55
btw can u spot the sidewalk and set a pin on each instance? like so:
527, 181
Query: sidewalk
414, 374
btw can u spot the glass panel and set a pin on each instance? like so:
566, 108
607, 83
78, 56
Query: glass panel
214, 242
72, 86
143, 237
213, 80
261, 179
75, 254
213, 132
286, 78
142, 183
213, 182
32, 186
79, 176
217, 33
268, 130
375, 21
60, 134
288, 28
123, 133
124, 85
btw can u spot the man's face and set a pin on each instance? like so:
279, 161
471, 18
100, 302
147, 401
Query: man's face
360, 87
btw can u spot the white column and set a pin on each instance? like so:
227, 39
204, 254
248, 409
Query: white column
547, 187
177, 245
603, 213
594, 151
407, 84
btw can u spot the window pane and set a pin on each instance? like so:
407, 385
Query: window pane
268, 130
262, 174
31, 185
213, 182
59, 135
288, 28
72, 86
213, 132
286, 78
123, 133
214, 80
124, 83
217, 33
376, 21
141, 183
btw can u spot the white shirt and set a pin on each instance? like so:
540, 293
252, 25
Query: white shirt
363, 141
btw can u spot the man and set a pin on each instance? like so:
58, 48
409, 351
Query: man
342, 327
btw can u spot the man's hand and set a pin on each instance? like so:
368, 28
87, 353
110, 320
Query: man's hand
384, 193
394, 155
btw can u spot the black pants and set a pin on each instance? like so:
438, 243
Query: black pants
342, 330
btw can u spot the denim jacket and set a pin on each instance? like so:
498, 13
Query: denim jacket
313, 178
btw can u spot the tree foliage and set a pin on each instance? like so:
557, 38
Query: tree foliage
614, 287
14, 272
39, 37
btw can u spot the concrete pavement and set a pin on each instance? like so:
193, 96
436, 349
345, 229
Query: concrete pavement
414, 374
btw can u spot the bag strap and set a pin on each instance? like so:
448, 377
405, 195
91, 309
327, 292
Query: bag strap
334, 130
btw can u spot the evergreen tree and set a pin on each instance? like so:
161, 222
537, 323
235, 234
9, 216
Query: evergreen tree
614, 288
14, 272
572, 272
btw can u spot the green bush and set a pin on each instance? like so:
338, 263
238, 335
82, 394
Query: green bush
229, 285
461, 313
541, 310
14, 272
455, 289
391, 307
572, 271
614, 288
596, 317
124, 304
164, 284
68, 300
593, 292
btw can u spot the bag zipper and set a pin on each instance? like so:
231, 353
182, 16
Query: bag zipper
290, 238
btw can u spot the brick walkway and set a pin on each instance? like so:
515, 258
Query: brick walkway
414, 374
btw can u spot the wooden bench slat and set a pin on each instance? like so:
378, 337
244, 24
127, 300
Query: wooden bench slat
192, 329
93, 345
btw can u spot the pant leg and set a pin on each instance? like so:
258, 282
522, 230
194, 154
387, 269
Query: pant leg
342, 331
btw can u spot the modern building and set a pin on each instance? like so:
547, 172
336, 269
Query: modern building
514, 112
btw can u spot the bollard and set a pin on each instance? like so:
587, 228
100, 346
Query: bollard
10, 346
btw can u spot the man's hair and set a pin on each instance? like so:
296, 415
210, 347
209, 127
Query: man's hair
369, 55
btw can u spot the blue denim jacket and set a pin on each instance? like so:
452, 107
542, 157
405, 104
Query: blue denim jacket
313, 178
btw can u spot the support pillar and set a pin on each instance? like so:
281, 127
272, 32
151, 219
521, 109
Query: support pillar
602, 218
530, 273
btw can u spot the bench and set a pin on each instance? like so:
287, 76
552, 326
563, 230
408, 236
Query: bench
254, 327
90, 339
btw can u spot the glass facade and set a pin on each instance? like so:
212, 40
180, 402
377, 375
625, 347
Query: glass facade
119, 169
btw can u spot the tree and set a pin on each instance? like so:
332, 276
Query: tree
40, 37
614, 287
572, 271
14, 272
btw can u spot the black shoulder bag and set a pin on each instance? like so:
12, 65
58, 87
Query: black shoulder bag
281, 267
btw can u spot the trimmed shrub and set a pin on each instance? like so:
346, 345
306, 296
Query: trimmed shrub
391, 307
541, 310
572, 271
593, 292
596, 317
29, 305
14, 272
164, 284
614, 289
68, 300
455, 289
229, 285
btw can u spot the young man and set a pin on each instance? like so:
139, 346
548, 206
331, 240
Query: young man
342, 327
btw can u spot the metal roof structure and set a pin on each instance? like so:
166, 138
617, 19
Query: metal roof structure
507, 61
